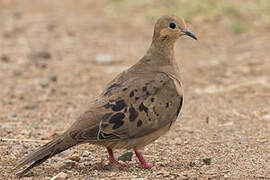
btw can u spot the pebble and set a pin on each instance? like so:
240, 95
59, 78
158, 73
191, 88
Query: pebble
89, 178
40, 55
17, 147
87, 163
74, 157
31, 106
207, 161
60, 176
53, 77
87, 159
11, 115
5, 58
17, 73
103, 59
68, 164
266, 117
44, 83
126, 156
85, 153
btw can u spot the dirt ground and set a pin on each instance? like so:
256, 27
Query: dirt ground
48, 76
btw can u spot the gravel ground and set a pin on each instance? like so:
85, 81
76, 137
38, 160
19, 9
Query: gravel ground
56, 56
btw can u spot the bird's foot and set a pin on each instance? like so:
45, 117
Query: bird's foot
144, 166
159, 166
143, 162
113, 160
147, 166
118, 163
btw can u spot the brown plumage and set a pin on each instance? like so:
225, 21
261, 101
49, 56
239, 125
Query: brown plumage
135, 109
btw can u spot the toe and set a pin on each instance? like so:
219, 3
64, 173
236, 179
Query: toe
145, 166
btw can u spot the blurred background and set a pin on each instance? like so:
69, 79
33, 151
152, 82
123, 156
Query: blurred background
57, 56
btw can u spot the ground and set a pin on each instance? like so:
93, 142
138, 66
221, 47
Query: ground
49, 74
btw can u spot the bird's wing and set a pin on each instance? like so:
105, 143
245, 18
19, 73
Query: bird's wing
139, 106
130, 108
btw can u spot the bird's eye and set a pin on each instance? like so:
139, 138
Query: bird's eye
172, 25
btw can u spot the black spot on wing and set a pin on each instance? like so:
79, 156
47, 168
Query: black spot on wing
108, 105
131, 94
106, 116
118, 124
154, 110
139, 123
110, 88
104, 125
118, 106
133, 114
152, 99
142, 107
124, 89
113, 86
117, 120
121, 104
144, 88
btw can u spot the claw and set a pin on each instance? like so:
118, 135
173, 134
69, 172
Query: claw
143, 162
144, 166
113, 160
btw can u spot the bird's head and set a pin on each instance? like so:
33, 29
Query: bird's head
170, 28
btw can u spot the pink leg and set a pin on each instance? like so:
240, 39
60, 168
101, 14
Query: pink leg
113, 160
143, 162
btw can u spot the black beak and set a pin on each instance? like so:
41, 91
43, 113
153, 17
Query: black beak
190, 34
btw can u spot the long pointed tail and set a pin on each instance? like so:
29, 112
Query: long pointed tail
45, 152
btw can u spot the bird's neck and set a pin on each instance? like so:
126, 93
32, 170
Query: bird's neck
160, 58
161, 52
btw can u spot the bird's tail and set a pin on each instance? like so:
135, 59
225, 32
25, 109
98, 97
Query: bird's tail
45, 152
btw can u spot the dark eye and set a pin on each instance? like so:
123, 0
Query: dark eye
172, 25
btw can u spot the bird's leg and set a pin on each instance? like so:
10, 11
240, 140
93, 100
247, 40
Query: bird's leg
143, 162
113, 160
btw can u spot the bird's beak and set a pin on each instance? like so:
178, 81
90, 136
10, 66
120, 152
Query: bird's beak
190, 34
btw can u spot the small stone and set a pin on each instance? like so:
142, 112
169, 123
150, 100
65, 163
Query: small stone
17, 147
5, 58
11, 115
207, 161
87, 163
192, 164
163, 172
74, 157
126, 156
89, 178
87, 159
44, 83
17, 73
31, 106
40, 55
85, 153
60, 176
53, 77
103, 59
266, 117
68, 164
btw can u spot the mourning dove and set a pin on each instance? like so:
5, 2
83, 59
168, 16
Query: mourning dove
136, 108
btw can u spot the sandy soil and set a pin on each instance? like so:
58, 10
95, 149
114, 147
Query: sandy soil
48, 75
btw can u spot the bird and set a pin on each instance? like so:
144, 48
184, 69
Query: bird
137, 107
